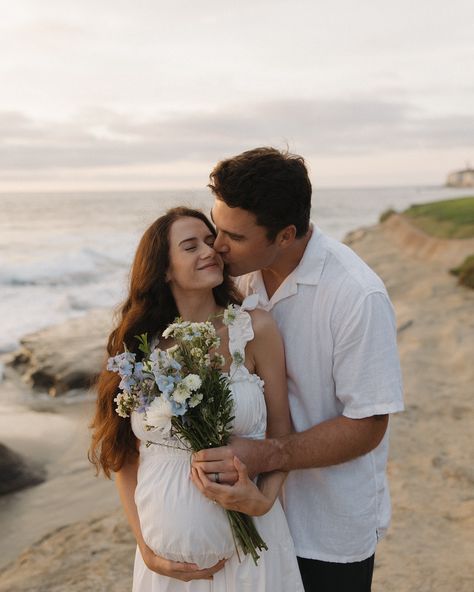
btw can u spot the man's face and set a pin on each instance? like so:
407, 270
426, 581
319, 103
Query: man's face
241, 242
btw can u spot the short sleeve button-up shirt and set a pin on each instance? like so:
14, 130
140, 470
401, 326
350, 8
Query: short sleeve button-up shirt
339, 331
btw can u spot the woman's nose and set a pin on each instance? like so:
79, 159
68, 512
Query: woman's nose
208, 250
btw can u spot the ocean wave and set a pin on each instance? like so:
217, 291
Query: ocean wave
80, 267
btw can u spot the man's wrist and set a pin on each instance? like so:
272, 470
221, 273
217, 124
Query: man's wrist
276, 456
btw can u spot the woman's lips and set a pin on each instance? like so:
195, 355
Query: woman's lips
214, 264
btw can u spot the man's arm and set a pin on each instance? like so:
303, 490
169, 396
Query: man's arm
368, 333
331, 442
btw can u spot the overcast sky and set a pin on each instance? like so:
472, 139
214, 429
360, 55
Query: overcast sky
106, 94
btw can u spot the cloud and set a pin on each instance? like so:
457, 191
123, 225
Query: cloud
105, 138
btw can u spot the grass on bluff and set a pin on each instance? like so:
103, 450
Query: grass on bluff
465, 272
451, 218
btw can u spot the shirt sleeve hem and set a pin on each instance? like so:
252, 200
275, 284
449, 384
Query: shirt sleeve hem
381, 409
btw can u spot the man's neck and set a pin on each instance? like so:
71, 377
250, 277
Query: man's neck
276, 274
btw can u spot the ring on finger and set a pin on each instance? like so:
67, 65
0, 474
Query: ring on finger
216, 478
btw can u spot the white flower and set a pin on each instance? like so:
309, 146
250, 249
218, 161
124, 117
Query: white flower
126, 403
195, 400
120, 399
192, 382
159, 414
229, 315
196, 352
181, 393
173, 327
218, 361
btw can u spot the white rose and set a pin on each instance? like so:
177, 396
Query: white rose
159, 414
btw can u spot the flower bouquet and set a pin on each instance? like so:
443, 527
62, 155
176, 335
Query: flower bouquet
182, 393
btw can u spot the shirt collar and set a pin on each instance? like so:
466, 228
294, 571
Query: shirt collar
311, 265
308, 271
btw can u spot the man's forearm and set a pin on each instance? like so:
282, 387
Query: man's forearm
331, 442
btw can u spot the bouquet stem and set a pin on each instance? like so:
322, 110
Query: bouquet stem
246, 534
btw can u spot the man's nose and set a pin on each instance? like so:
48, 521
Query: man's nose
220, 245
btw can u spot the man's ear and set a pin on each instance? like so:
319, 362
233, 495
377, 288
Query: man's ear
286, 236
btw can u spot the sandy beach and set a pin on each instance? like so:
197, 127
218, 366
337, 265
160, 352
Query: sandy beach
72, 536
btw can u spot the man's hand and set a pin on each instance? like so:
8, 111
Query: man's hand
177, 570
244, 496
221, 460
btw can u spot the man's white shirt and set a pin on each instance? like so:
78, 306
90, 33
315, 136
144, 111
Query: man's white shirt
339, 332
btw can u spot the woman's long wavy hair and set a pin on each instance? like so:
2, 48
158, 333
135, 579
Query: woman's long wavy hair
148, 308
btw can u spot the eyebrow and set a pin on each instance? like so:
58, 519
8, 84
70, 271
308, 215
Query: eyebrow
186, 240
228, 232
194, 238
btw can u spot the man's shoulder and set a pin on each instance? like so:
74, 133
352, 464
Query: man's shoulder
344, 269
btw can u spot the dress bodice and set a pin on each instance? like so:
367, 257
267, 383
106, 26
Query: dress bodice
250, 415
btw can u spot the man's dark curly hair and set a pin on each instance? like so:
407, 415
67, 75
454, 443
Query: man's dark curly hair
273, 185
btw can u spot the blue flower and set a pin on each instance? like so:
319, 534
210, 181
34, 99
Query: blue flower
165, 383
127, 383
178, 408
122, 363
138, 371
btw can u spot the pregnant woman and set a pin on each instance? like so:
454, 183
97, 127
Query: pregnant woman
184, 541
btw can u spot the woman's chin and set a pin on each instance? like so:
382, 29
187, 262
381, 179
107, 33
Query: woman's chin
216, 279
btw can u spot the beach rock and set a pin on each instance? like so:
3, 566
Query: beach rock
16, 473
94, 555
66, 356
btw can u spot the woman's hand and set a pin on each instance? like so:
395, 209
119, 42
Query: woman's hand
178, 570
244, 496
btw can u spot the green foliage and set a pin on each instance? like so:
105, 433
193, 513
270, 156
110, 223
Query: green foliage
451, 218
143, 341
386, 214
465, 272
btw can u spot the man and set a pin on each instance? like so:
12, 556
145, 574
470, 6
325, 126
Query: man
343, 371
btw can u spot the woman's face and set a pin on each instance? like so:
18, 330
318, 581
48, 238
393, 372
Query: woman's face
194, 265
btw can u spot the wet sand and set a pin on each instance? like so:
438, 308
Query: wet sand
51, 433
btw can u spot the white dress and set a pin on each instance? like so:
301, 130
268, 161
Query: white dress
178, 522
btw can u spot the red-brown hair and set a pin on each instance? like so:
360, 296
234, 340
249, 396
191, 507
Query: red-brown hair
148, 308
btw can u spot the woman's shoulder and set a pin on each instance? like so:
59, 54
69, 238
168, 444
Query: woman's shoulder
260, 316
262, 322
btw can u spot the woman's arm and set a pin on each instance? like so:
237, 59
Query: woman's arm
267, 354
126, 483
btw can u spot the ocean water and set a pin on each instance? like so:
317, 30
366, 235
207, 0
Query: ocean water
63, 254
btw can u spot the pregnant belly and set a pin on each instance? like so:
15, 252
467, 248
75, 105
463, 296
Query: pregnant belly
178, 522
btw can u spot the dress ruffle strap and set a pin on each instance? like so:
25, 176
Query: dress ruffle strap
241, 330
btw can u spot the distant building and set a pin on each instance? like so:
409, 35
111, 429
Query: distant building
463, 178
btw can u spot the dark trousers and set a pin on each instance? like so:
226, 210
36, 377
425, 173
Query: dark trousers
322, 576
